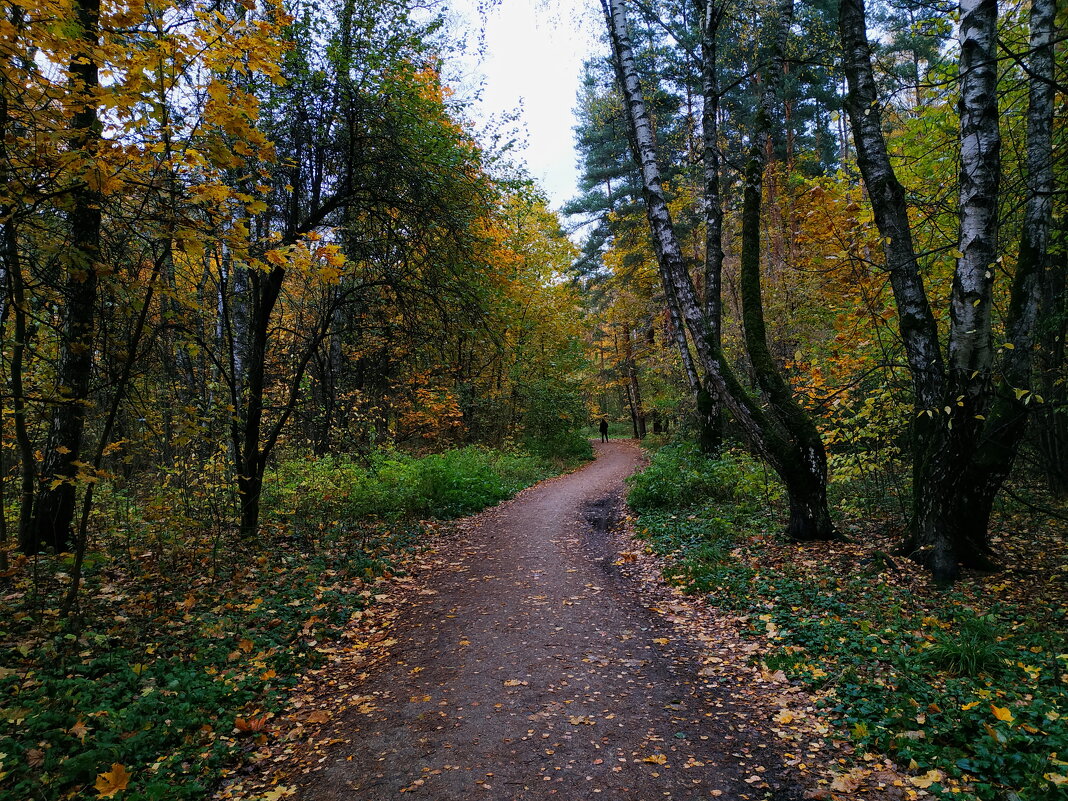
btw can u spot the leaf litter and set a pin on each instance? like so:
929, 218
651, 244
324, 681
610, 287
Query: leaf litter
630, 689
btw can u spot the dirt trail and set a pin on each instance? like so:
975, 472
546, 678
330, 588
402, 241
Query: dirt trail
531, 669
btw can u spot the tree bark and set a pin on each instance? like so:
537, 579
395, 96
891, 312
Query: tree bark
966, 433
247, 432
54, 505
809, 515
708, 408
1052, 415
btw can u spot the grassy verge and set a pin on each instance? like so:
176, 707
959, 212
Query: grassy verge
967, 689
187, 641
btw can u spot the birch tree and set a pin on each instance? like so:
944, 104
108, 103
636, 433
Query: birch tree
797, 459
970, 406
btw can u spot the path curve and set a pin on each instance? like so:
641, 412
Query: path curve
530, 669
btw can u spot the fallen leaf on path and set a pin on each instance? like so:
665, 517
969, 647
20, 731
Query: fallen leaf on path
929, 778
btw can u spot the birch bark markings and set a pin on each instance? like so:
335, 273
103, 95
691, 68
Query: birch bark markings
915, 319
791, 458
970, 344
969, 414
1033, 260
711, 13
678, 285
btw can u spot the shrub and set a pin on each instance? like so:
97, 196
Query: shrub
681, 477
392, 486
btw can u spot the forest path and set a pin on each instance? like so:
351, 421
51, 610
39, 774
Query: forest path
527, 667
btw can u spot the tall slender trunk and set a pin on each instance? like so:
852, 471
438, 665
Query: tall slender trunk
708, 407
14, 289
247, 429
1009, 409
633, 387
809, 517
1052, 416
54, 506
27, 468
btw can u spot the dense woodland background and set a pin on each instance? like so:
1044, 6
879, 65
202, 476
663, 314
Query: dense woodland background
272, 303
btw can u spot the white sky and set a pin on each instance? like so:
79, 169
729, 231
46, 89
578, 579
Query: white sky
533, 57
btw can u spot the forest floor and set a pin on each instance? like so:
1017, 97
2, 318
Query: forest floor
536, 653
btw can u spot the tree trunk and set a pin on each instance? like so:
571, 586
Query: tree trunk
54, 506
708, 408
965, 436
247, 432
765, 437
633, 387
1052, 416
14, 287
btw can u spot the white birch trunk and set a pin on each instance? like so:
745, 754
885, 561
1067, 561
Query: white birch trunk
677, 282
970, 343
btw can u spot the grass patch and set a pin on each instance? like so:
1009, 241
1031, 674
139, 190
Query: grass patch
391, 485
973, 683
181, 632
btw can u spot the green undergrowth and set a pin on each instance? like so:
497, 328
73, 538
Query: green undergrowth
972, 683
390, 485
177, 637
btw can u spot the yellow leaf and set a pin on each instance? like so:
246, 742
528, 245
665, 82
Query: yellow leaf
114, 781
968, 706
929, 778
784, 717
656, 759
661, 640
1002, 713
1056, 778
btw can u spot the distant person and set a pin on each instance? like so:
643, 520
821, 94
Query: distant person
604, 429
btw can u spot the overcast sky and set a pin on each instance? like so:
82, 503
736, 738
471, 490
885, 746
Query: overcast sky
532, 60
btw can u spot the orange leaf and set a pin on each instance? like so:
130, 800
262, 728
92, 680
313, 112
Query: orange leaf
251, 725
114, 781
1002, 713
